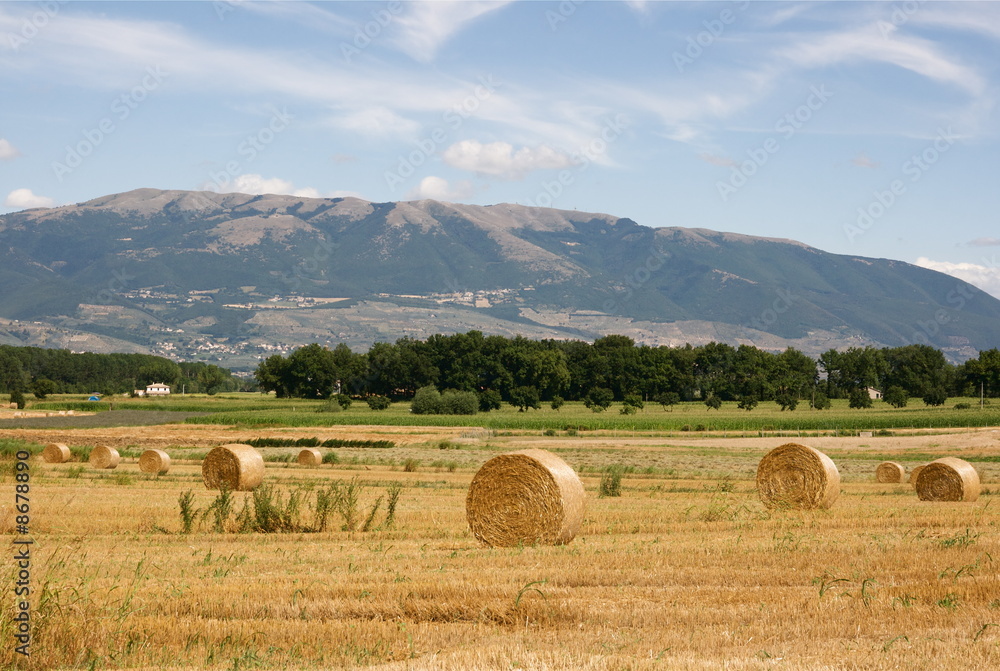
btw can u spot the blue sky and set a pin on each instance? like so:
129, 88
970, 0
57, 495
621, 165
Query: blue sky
865, 128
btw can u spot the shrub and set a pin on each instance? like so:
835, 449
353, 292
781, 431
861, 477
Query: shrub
962, 406
377, 402
411, 465
330, 405
343, 399
459, 403
17, 398
611, 481
747, 403
42, 387
713, 402
427, 401
821, 401
633, 401
787, 401
557, 402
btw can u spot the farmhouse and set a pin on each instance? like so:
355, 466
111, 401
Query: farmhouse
155, 389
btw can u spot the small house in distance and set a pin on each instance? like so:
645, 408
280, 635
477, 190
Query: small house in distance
874, 394
155, 389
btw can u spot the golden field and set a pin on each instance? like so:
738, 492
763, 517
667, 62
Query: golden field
686, 570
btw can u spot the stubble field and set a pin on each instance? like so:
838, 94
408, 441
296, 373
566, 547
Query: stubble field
686, 570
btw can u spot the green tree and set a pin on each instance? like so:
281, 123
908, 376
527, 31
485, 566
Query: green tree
668, 399
426, 401
859, 399
523, 398
787, 400
17, 398
489, 399
42, 387
631, 404
936, 396
713, 402
557, 402
599, 399
272, 375
821, 401
747, 403
896, 396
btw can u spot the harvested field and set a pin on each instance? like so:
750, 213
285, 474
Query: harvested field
686, 570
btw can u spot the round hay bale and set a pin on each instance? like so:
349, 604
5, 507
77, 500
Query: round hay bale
525, 497
235, 467
154, 461
310, 457
103, 456
797, 476
56, 453
948, 479
914, 473
890, 471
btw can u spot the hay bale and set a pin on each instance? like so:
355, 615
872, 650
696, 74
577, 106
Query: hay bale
235, 467
948, 479
103, 456
797, 476
154, 461
310, 457
890, 471
914, 473
56, 453
529, 496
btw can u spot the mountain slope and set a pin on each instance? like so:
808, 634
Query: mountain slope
230, 274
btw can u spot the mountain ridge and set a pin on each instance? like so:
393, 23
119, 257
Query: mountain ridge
211, 266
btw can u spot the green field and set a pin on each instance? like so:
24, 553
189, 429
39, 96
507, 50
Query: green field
267, 411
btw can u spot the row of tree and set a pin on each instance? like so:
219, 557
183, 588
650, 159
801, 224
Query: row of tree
52, 371
572, 370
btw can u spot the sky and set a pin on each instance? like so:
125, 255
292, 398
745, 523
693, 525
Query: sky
863, 128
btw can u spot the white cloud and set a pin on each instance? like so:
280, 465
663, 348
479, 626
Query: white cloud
499, 159
721, 161
428, 25
378, 122
24, 199
257, 185
437, 188
7, 150
985, 242
986, 278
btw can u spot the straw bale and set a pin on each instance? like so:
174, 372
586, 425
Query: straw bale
948, 479
56, 453
525, 497
310, 457
103, 456
154, 461
914, 473
235, 467
797, 476
890, 471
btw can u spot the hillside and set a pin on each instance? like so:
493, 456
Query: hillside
231, 277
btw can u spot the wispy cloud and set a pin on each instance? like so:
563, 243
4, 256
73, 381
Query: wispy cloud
722, 161
984, 242
428, 25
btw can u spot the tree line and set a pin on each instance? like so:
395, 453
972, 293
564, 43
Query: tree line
54, 371
613, 367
